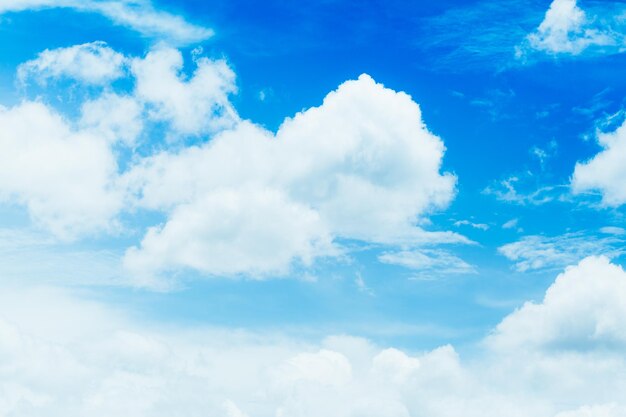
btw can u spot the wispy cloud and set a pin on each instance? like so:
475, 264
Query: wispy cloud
36, 257
540, 253
481, 35
139, 15
481, 226
428, 262
517, 190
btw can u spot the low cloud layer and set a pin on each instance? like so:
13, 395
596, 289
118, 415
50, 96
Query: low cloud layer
559, 357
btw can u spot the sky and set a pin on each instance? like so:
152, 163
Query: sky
304, 209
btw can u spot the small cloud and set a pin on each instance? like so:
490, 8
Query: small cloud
613, 230
480, 226
511, 224
265, 94
508, 190
430, 262
361, 285
543, 154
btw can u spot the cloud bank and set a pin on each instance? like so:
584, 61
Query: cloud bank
562, 356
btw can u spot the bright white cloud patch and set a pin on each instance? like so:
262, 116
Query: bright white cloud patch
480, 226
606, 171
199, 105
139, 15
361, 166
90, 63
65, 177
532, 253
583, 310
227, 232
562, 357
113, 117
566, 29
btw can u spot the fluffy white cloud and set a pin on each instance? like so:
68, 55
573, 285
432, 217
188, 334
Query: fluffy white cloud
605, 172
566, 29
254, 232
65, 177
195, 106
584, 309
361, 166
91, 63
66, 172
532, 253
562, 357
115, 118
139, 15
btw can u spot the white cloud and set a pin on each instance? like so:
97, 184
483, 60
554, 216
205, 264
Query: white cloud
361, 166
532, 253
481, 226
90, 63
65, 177
511, 224
113, 117
326, 368
198, 105
66, 172
428, 261
605, 172
562, 357
613, 230
566, 29
254, 232
139, 15
584, 309
524, 190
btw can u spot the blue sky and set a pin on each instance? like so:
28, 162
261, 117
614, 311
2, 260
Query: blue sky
308, 188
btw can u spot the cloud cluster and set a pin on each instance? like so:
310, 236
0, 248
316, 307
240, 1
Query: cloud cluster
244, 201
66, 170
561, 357
90, 63
361, 166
